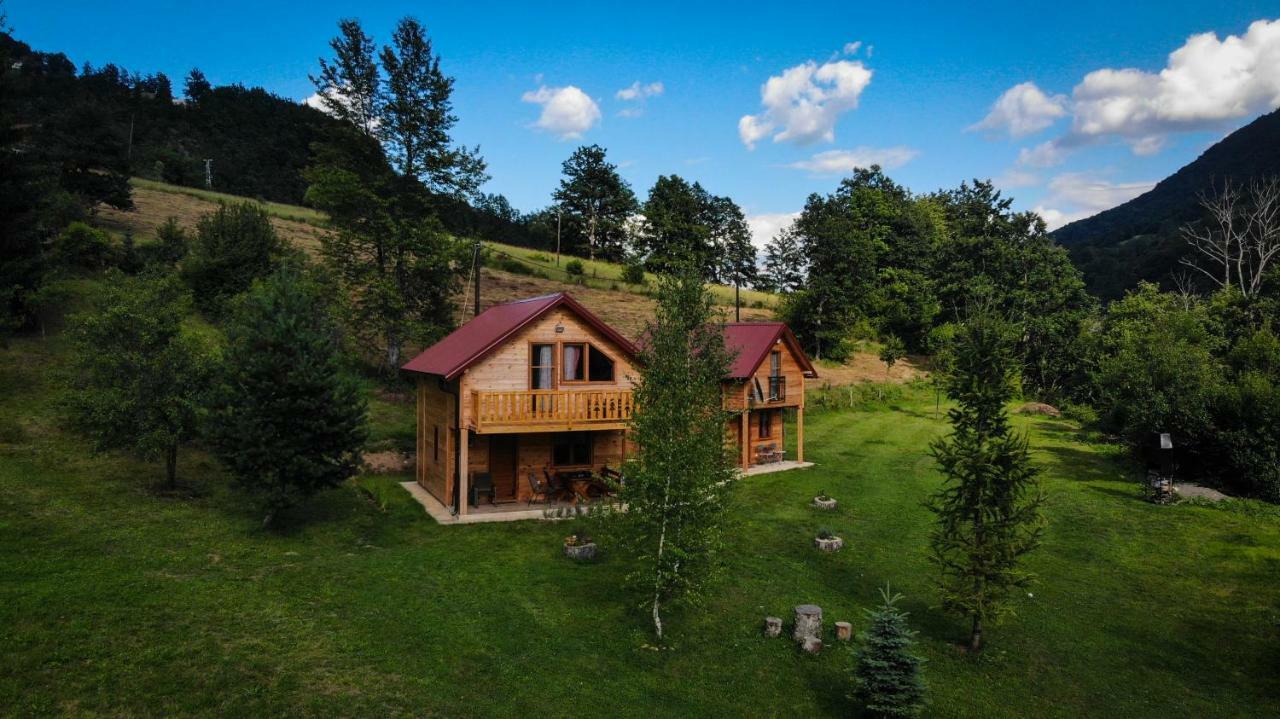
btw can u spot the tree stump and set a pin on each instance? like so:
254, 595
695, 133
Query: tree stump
830, 544
844, 631
811, 645
808, 622
580, 552
772, 626
820, 503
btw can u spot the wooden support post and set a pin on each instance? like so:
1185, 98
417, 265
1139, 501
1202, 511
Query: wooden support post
464, 491
800, 433
746, 439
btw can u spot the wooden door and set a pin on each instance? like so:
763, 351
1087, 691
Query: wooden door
502, 465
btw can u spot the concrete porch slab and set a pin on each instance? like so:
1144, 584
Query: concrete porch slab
772, 467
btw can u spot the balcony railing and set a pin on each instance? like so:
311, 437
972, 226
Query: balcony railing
774, 391
550, 409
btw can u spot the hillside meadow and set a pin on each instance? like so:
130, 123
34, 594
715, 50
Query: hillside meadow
119, 600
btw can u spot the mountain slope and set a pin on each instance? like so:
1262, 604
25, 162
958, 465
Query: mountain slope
1139, 239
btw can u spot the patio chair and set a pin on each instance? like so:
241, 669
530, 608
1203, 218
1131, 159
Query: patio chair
558, 487
539, 490
482, 483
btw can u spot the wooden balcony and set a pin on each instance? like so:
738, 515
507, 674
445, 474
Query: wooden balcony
550, 410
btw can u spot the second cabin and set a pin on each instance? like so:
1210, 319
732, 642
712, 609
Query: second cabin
537, 392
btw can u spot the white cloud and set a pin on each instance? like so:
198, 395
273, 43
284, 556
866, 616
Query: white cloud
1083, 195
803, 103
1022, 110
636, 91
767, 226
1013, 178
835, 162
1205, 84
851, 48
567, 112
631, 112
1046, 154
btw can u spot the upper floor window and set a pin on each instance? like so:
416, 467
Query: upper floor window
775, 363
583, 362
542, 367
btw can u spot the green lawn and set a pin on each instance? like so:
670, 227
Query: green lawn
117, 601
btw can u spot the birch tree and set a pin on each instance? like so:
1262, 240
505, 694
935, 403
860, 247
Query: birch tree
677, 484
1236, 244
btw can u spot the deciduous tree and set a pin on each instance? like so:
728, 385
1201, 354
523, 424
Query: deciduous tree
597, 203
678, 481
137, 375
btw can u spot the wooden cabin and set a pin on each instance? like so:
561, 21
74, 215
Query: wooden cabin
543, 386
766, 379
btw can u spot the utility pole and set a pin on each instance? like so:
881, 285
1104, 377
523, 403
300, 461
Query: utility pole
129, 152
737, 299
557, 236
475, 262
208, 174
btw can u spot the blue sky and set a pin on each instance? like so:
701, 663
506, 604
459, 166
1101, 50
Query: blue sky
1092, 108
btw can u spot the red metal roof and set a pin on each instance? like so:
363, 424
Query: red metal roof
484, 333
751, 341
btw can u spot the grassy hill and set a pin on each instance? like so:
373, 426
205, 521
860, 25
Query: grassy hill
122, 602
600, 286
1139, 239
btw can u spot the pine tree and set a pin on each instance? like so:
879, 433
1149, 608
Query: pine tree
678, 480
886, 674
989, 506
286, 419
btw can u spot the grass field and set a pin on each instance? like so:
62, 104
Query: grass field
118, 601
303, 226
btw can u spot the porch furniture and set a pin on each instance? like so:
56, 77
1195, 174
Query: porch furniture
769, 453
482, 483
577, 482
539, 491
557, 484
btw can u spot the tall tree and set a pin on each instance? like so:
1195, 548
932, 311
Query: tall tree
286, 418
678, 481
988, 508
731, 238
596, 201
390, 251
1006, 261
350, 85
784, 263
887, 675
417, 115
675, 233
842, 236
137, 375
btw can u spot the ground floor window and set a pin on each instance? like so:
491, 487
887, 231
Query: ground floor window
572, 448
766, 424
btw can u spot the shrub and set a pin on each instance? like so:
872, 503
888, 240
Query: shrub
235, 245
82, 247
574, 267
633, 273
539, 257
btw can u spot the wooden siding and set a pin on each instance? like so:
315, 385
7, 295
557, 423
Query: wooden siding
435, 466
507, 367
534, 454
